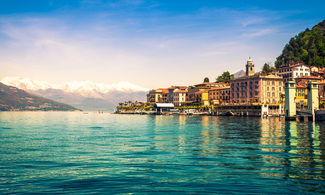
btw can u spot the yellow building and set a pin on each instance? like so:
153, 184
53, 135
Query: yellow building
202, 97
158, 96
301, 95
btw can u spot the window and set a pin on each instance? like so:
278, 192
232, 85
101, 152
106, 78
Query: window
273, 83
268, 94
267, 88
268, 83
280, 88
306, 74
273, 94
301, 74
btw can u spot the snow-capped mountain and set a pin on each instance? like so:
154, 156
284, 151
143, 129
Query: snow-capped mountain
88, 88
82, 94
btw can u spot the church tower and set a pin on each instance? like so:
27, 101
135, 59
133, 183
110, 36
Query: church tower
250, 69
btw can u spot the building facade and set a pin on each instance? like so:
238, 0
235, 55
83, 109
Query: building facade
219, 95
158, 96
199, 93
179, 97
171, 92
293, 71
301, 95
257, 90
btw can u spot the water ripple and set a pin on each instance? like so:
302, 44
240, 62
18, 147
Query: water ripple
55, 152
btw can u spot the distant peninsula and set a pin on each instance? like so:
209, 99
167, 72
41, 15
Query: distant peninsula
14, 99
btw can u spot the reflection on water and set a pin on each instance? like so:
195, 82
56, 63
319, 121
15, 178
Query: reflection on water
294, 149
66, 152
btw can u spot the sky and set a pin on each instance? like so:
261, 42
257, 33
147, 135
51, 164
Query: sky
149, 43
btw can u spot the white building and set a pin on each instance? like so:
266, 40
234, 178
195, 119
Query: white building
179, 97
293, 71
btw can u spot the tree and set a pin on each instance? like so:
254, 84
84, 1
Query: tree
308, 47
267, 68
225, 77
206, 80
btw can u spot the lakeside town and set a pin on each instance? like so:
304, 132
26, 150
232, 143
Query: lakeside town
251, 94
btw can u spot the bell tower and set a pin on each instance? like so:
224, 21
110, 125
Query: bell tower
250, 69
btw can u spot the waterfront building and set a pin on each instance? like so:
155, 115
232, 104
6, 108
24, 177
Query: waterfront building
301, 88
219, 95
256, 89
158, 96
199, 93
301, 95
293, 71
179, 97
163, 107
202, 97
197, 96
318, 72
303, 80
163, 95
171, 92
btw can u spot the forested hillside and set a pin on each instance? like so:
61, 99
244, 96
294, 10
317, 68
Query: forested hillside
307, 46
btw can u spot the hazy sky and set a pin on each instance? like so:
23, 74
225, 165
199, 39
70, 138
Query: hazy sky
149, 43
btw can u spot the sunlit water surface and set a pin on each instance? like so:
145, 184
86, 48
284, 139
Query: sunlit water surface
74, 152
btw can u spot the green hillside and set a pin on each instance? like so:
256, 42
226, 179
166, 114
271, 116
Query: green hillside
307, 46
12, 98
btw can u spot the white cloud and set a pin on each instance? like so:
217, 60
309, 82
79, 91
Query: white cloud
259, 32
103, 50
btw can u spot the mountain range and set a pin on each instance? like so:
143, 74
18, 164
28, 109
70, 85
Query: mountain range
85, 95
239, 74
12, 98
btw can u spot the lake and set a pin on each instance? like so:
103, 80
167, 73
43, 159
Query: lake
82, 153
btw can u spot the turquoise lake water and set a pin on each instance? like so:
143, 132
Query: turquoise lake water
73, 152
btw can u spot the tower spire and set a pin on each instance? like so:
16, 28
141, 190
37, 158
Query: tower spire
250, 69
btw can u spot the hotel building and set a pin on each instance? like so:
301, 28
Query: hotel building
219, 95
256, 89
293, 71
179, 97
